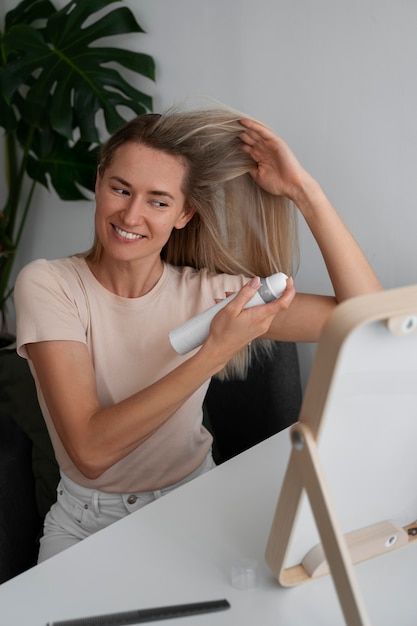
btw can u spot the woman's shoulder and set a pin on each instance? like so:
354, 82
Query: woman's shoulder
185, 274
52, 274
64, 265
204, 280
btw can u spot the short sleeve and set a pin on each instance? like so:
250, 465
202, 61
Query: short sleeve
48, 305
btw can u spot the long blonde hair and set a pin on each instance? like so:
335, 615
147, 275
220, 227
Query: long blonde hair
237, 228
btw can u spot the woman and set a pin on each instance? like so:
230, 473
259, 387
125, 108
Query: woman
189, 207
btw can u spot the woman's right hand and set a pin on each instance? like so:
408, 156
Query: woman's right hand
233, 327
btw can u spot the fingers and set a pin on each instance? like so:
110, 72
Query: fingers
249, 146
238, 323
227, 294
253, 126
249, 291
246, 293
288, 295
260, 142
247, 139
256, 132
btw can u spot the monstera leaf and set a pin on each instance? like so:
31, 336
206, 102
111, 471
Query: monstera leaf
61, 93
74, 79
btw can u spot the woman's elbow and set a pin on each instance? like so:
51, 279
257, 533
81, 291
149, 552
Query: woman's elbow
89, 463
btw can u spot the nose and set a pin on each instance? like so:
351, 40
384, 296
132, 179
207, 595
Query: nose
133, 213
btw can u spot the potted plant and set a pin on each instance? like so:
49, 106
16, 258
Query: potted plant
54, 81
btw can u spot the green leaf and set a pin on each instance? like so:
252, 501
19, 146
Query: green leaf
29, 42
57, 77
28, 11
70, 69
7, 117
66, 26
67, 168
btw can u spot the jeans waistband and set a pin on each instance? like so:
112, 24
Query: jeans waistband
92, 496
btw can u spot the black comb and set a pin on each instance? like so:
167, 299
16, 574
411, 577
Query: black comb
146, 615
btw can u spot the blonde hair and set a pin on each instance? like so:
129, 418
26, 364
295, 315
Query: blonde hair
237, 228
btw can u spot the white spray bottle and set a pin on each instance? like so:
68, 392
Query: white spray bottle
195, 331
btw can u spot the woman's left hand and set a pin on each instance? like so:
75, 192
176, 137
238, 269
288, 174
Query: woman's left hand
276, 168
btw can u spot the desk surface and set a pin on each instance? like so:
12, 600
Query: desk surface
181, 548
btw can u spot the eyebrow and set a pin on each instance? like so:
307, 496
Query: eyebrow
120, 180
162, 193
155, 192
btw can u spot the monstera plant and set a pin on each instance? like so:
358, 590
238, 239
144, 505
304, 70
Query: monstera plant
56, 81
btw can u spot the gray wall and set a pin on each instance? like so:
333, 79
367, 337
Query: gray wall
336, 78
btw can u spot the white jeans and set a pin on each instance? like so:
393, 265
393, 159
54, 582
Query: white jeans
79, 512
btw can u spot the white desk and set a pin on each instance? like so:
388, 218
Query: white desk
180, 549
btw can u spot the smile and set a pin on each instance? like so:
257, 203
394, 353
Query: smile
125, 234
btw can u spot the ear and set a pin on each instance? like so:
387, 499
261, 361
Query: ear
184, 218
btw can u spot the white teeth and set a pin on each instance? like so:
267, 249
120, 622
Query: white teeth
125, 234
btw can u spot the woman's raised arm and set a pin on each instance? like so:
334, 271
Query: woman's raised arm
279, 172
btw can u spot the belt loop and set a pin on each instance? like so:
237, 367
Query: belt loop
95, 503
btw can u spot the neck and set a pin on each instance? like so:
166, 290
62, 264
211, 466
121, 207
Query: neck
126, 280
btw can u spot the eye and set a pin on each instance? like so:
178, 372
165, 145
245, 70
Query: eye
159, 204
120, 191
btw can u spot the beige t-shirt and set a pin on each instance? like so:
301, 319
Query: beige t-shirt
129, 346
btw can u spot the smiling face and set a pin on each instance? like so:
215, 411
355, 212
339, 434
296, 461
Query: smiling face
139, 200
